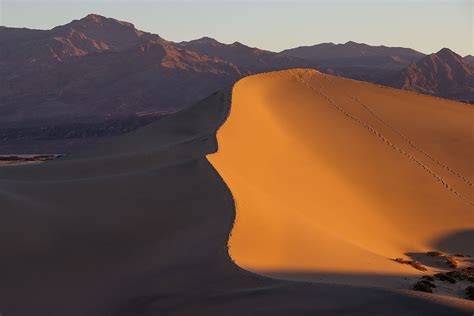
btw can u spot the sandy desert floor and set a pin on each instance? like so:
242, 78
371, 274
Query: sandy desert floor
140, 225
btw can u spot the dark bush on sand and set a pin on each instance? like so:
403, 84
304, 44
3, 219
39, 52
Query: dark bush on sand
424, 286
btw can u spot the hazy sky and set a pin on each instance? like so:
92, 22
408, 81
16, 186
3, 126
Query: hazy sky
425, 25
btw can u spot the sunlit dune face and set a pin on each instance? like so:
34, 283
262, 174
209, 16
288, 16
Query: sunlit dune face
335, 175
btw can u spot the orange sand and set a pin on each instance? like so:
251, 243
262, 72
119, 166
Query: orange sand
335, 175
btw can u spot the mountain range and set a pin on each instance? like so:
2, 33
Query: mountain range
96, 73
98, 67
249, 60
356, 60
469, 59
444, 74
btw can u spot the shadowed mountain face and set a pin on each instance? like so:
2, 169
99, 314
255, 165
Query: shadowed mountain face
444, 74
469, 59
356, 60
96, 70
92, 34
249, 60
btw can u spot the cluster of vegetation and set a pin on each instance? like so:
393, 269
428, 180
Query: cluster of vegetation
470, 292
415, 264
427, 282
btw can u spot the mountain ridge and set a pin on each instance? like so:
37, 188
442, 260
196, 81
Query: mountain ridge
250, 59
356, 60
96, 69
443, 73
469, 59
61, 69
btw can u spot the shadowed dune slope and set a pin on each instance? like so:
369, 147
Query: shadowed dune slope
335, 175
140, 226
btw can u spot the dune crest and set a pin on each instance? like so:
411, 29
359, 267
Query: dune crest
338, 176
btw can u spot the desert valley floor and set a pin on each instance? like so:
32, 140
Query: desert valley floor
328, 179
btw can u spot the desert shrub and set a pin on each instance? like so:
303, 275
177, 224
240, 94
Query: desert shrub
470, 292
452, 262
445, 277
424, 286
460, 275
415, 264
428, 278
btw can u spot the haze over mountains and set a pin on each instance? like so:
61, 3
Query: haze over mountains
93, 76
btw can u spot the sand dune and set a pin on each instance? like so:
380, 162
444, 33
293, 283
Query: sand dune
338, 176
140, 226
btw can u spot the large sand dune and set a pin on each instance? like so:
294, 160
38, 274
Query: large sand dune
335, 175
140, 226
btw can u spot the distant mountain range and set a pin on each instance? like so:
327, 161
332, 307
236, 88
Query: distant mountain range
97, 68
357, 61
469, 59
249, 60
98, 73
444, 74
